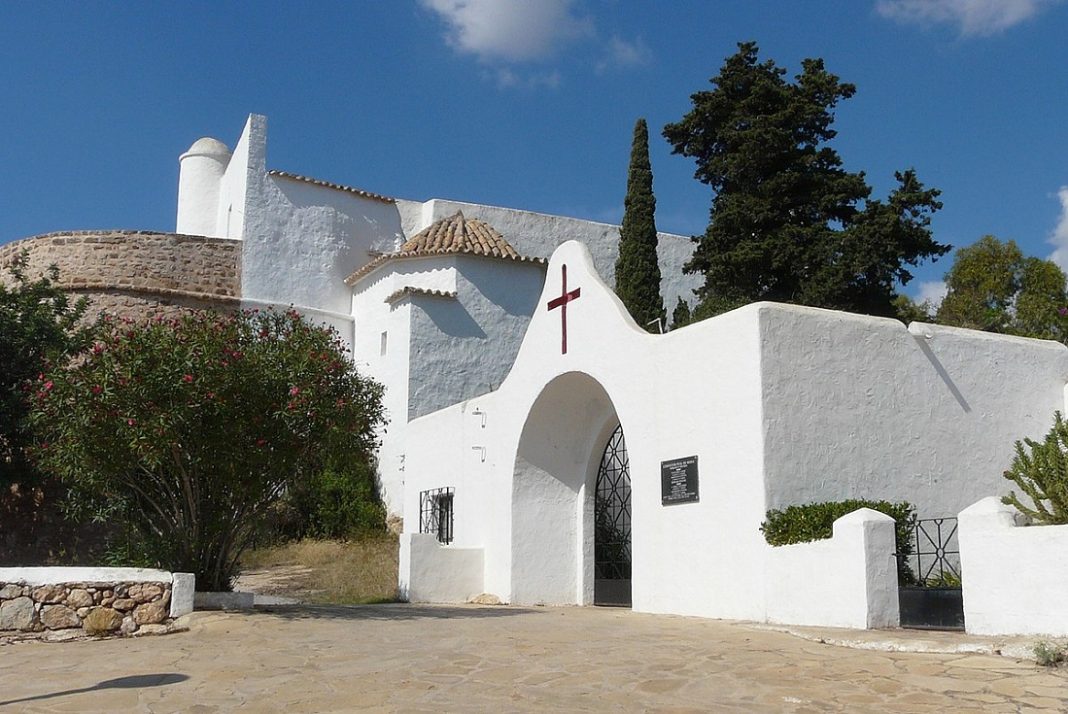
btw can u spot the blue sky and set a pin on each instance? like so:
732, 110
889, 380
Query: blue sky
527, 104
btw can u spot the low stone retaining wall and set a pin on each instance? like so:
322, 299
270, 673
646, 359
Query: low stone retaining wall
99, 601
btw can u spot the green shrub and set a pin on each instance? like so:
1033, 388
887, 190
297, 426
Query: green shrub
1050, 654
187, 431
1042, 474
815, 521
39, 326
339, 502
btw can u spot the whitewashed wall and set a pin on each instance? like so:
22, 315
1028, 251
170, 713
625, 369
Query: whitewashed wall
375, 317
862, 407
441, 573
849, 580
1014, 578
464, 347
248, 158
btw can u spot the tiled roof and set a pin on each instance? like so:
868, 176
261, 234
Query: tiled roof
454, 235
327, 184
406, 291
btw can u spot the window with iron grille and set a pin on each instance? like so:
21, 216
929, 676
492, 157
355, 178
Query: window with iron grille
436, 514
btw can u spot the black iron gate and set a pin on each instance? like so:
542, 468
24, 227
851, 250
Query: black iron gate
929, 591
611, 585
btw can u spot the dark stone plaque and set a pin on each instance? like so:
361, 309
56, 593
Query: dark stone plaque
678, 481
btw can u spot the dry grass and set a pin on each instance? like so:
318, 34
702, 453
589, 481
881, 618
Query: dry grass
325, 571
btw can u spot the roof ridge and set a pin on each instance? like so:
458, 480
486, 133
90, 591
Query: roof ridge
452, 235
330, 184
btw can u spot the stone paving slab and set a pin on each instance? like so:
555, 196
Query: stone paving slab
412, 658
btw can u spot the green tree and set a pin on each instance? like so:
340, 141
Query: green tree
39, 326
680, 316
992, 286
188, 430
788, 223
637, 269
908, 310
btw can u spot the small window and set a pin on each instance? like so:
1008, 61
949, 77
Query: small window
384, 340
436, 513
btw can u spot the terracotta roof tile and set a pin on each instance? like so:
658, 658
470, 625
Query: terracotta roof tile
407, 291
454, 235
327, 184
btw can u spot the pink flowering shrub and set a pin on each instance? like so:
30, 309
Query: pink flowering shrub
190, 429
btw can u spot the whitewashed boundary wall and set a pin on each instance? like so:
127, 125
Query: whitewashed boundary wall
849, 580
1014, 578
861, 407
440, 573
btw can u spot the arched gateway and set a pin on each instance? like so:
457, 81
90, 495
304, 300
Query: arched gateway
571, 499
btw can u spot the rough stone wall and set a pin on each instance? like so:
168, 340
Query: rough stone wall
96, 608
137, 273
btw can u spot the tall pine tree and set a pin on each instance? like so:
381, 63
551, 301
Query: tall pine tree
788, 222
637, 269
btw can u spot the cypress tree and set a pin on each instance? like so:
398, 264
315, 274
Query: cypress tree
637, 269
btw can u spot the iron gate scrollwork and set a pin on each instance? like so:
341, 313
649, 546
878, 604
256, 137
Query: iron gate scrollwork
930, 594
612, 562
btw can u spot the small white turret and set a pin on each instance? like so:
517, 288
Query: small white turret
202, 169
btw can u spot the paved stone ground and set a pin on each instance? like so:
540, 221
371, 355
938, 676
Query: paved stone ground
418, 658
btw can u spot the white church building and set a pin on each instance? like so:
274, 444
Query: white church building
432, 296
542, 448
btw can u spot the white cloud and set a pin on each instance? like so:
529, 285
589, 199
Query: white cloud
972, 17
1059, 235
510, 30
507, 78
621, 53
932, 293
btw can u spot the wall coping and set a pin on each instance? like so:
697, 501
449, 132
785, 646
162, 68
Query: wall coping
117, 232
54, 576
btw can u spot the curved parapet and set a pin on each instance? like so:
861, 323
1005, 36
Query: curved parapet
136, 273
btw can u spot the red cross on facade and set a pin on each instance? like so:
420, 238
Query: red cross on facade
561, 302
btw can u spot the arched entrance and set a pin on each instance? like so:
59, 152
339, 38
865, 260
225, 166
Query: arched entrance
553, 529
611, 516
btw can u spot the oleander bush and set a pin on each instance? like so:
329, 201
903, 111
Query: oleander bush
187, 431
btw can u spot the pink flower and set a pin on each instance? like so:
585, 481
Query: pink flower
261, 442
131, 422
98, 348
293, 391
187, 378
48, 385
97, 389
1063, 311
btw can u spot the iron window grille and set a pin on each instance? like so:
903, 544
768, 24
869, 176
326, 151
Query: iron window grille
436, 513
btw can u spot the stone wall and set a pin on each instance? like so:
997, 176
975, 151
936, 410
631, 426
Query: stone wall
137, 273
98, 608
